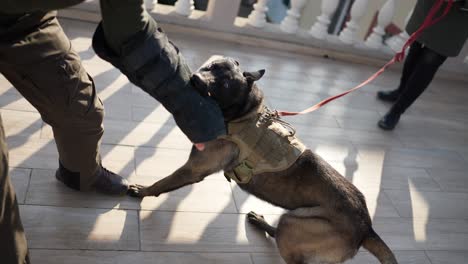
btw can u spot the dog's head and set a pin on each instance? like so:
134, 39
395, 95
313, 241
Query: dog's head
225, 82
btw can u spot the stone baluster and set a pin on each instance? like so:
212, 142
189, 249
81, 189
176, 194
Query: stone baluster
375, 39
396, 42
319, 30
184, 7
349, 34
150, 4
257, 17
222, 13
290, 23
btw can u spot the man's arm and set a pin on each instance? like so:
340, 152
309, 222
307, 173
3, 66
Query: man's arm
132, 41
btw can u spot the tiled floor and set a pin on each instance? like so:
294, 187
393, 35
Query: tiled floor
414, 178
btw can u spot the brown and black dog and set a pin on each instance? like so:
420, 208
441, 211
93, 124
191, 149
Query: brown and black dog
327, 219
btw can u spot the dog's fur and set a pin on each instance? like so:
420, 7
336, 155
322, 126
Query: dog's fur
327, 220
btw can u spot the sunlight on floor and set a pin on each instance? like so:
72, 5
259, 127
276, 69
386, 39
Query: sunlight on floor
419, 204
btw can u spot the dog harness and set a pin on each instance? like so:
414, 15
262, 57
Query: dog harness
266, 144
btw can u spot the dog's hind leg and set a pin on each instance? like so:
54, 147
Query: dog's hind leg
258, 221
309, 236
292, 259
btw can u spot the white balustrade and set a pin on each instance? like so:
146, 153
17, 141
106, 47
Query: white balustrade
257, 17
290, 23
349, 34
319, 30
375, 39
150, 4
396, 42
184, 7
222, 13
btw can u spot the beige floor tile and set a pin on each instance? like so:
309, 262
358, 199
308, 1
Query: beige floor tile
80, 228
21, 123
20, 180
310, 136
403, 257
453, 181
447, 257
37, 153
190, 232
365, 175
421, 204
412, 125
423, 233
159, 162
330, 109
5, 86
212, 196
14, 101
378, 138
310, 122
457, 141
413, 158
333, 151
44, 189
359, 124
267, 258
118, 111
157, 115
145, 134
464, 154
125, 257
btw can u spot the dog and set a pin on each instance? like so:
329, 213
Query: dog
327, 219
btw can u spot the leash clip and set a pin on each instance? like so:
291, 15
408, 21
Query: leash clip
269, 116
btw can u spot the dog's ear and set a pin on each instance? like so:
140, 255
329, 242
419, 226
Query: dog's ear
199, 84
253, 76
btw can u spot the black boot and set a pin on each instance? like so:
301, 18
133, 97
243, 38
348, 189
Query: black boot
389, 121
388, 96
106, 182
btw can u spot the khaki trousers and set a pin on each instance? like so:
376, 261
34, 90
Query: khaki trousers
46, 70
13, 246
37, 58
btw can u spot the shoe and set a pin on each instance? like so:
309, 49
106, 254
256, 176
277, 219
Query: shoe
389, 121
388, 96
106, 182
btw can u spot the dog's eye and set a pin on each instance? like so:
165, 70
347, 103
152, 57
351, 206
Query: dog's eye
236, 62
214, 67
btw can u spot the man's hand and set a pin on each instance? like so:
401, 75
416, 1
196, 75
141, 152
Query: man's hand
200, 146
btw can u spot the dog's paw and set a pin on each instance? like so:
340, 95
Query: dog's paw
253, 217
136, 190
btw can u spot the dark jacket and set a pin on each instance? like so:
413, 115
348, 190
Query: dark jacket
448, 36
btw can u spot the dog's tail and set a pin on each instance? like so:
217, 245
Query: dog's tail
375, 245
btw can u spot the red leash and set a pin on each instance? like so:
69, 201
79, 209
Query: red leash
428, 21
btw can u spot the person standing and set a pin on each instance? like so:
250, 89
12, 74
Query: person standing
444, 39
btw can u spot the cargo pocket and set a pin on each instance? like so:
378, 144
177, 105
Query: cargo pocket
77, 89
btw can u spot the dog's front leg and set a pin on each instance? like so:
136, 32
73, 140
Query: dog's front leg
217, 155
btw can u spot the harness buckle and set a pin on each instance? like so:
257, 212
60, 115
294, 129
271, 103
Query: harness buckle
241, 174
